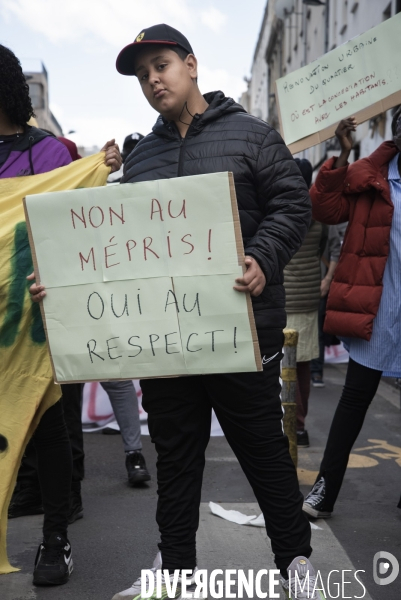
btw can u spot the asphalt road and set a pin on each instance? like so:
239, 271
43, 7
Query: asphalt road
118, 534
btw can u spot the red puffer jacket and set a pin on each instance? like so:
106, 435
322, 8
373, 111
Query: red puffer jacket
358, 193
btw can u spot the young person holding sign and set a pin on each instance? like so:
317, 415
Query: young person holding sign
363, 306
194, 135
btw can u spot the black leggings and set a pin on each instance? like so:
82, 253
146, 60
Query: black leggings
71, 401
359, 390
53, 450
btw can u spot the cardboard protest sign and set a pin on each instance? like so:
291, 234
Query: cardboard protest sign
361, 78
140, 279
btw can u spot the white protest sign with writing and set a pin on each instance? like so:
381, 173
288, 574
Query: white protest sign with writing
361, 78
140, 277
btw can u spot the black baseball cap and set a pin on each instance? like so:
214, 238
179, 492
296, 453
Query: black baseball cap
129, 144
158, 34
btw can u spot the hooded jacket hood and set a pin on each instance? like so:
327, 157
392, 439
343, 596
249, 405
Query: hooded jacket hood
219, 105
365, 173
34, 152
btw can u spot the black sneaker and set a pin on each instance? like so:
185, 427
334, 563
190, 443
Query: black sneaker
302, 439
76, 508
314, 501
136, 468
53, 563
317, 381
25, 501
110, 431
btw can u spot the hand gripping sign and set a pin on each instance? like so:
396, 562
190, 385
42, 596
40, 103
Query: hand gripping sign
361, 78
140, 277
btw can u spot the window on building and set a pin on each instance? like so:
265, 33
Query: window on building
333, 18
354, 7
387, 12
289, 39
297, 14
301, 21
298, 18
37, 95
344, 18
398, 6
272, 78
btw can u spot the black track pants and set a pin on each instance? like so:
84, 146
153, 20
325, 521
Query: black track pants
249, 409
54, 458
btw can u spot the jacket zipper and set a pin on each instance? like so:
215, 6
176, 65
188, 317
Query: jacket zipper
181, 157
182, 150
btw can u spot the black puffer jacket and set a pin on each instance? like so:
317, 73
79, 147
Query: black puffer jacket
273, 200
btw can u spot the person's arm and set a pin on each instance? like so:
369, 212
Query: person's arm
330, 204
327, 279
330, 258
333, 243
284, 199
58, 155
324, 239
344, 135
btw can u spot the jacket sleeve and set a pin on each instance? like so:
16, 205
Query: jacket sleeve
55, 155
329, 204
285, 202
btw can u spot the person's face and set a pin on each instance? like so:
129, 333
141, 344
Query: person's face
166, 80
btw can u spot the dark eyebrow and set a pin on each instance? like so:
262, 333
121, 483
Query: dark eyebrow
153, 60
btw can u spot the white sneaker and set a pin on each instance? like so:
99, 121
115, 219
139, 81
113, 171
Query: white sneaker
135, 588
134, 592
302, 581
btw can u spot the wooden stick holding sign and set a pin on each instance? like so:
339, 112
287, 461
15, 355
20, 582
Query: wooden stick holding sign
360, 78
140, 278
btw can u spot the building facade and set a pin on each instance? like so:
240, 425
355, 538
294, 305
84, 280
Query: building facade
296, 32
39, 92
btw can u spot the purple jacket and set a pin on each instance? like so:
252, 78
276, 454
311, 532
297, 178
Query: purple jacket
34, 152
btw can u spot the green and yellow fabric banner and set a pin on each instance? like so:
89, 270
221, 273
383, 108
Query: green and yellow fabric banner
27, 389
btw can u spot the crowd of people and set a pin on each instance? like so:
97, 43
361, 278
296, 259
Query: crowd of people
298, 273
